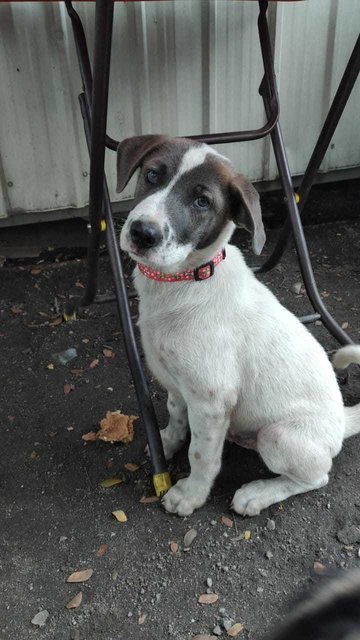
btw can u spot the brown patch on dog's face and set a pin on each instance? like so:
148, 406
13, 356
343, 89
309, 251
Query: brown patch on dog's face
187, 198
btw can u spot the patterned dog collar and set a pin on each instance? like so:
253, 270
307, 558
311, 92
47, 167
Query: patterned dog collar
203, 272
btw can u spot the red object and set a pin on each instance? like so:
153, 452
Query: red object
204, 272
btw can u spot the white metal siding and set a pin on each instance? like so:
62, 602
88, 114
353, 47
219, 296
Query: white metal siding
179, 67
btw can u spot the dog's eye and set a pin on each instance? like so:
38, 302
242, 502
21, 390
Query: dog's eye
152, 176
201, 203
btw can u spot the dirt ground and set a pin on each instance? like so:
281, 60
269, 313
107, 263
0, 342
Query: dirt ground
54, 514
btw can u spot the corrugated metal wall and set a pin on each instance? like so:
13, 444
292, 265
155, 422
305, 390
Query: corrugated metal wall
179, 67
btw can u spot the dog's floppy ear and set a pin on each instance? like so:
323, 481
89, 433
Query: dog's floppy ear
245, 205
130, 153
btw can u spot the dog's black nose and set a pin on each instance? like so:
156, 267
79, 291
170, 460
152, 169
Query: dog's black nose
145, 234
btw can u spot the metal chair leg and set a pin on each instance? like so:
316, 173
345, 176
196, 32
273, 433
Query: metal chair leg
337, 107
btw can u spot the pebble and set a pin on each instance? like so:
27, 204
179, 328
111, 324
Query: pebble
213, 523
222, 611
349, 534
296, 287
209, 582
217, 631
270, 525
189, 537
40, 619
358, 553
227, 624
269, 555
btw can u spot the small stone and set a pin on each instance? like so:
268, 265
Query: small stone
40, 619
189, 537
75, 635
260, 590
222, 611
270, 525
269, 555
213, 523
209, 582
358, 553
129, 615
114, 575
227, 624
217, 631
349, 534
296, 287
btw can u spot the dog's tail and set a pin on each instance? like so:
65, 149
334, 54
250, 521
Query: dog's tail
343, 357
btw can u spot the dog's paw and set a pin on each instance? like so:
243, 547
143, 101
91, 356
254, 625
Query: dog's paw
251, 498
182, 499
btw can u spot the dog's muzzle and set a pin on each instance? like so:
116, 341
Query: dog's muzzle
145, 235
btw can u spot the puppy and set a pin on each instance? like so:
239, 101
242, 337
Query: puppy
234, 361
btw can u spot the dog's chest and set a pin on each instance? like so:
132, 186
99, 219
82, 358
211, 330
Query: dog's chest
160, 347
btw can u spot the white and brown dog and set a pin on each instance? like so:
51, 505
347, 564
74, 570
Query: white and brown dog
234, 361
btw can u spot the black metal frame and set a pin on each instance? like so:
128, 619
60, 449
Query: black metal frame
94, 102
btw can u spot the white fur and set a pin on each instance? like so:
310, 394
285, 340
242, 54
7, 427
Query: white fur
232, 357
152, 209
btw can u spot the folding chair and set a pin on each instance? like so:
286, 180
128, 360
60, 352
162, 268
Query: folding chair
94, 103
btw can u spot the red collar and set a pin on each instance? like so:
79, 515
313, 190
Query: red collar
203, 272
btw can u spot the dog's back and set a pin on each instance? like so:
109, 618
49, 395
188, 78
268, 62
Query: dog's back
332, 614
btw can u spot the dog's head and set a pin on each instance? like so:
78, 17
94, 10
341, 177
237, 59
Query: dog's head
188, 199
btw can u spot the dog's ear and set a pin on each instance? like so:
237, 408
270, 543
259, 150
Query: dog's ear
130, 154
246, 211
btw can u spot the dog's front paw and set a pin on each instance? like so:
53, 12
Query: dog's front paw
183, 498
250, 499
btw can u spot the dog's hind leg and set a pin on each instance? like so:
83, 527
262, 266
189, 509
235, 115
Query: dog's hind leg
175, 434
289, 450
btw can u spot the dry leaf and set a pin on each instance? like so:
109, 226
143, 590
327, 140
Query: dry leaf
35, 271
56, 321
120, 515
110, 482
80, 576
131, 466
149, 499
89, 437
174, 547
142, 618
79, 285
110, 462
77, 372
117, 427
68, 388
235, 629
208, 598
345, 325
34, 455
189, 537
247, 535
108, 353
75, 601
101, 550
204, 636
50, 366
94, 363
227, 521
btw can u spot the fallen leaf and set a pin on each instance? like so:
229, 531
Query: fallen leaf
247, 535
68, 388
50, 366
235, 629
56, 321
174, 547
110, 482
79, 285
227, 521
110, 462
94, 363
208, 598
101, 550
108, 353
345, 325
116, 427
120, 515
35, 271
204, 636
34, 455
77, 372
89, 437
17, 309
40, 619
142, 618
75, 602
149, 499
131, 466
189, 537
80, 576
85, 340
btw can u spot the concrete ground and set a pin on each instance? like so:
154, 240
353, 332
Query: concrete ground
57, 519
